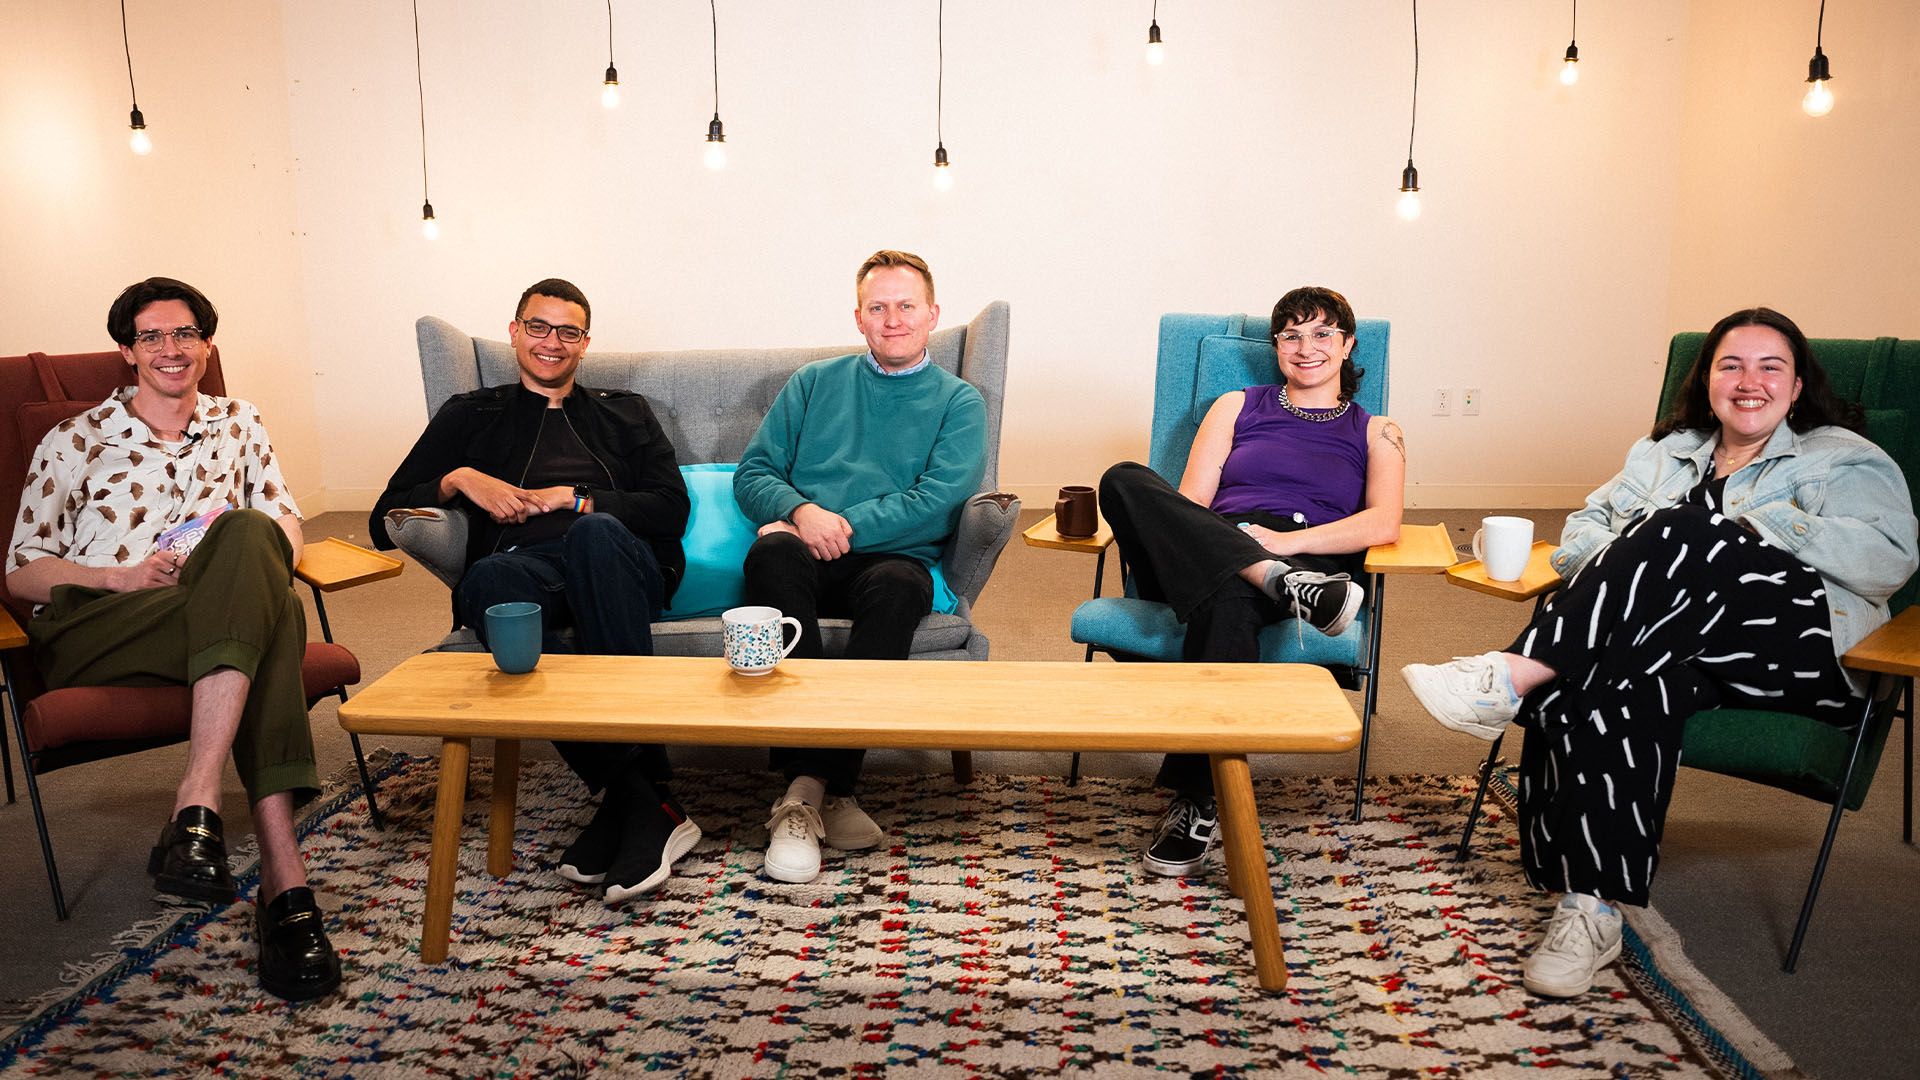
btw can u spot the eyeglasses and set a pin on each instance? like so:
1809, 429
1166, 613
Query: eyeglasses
540, 328
1291, 340
183, 336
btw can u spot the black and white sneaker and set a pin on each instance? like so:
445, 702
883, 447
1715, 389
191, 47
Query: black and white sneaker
590, 856
1327, 602
1187, 831
657, 833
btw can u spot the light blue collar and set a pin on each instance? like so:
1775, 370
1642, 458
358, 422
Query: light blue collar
925, 359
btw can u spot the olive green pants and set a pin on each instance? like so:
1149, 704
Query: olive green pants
233, 608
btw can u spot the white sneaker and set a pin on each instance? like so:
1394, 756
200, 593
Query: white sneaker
1473, 694
1583, 937
848, 827
793, 842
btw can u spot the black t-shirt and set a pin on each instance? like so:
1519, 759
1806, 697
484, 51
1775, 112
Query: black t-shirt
559, 458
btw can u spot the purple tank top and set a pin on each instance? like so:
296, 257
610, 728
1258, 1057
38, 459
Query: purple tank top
1286, 466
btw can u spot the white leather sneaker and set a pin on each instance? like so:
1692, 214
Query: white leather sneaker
1583, 937
793, 842
1473, 694
848, 828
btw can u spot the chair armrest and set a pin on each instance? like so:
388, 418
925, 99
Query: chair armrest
986, 524
333, 564
1539, 576
1045, 533
11, 636
1894, 649
435, 537
1421, 549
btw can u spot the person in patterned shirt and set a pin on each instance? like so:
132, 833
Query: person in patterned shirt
158, 539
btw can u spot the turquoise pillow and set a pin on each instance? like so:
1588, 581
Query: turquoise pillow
716, 541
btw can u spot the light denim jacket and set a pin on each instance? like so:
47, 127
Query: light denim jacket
1832, 499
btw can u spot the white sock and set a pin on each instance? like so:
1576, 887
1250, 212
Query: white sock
808, 789
1506, 676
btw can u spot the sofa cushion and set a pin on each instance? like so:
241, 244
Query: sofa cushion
716, 541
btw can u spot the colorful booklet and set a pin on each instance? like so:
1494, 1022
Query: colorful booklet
184, 537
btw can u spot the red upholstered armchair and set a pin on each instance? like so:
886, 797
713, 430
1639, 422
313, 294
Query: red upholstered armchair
60, 728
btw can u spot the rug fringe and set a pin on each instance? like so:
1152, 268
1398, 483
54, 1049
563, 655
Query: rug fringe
76, 975
1713, 1005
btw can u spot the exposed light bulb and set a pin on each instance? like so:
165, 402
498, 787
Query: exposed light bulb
610, 89
139, 142
716, 157
942, 172
1156, 51
1570, 70
1819, 99
1409, 205
429, 228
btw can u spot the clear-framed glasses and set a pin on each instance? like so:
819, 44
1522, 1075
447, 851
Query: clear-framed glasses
1292, 340
183, 336
541, 328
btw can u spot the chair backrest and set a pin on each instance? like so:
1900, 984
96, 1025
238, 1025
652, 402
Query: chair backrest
1204, 356
1882, 374
711, 401
44, 390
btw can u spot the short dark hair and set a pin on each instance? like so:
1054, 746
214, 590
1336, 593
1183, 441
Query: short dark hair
1818, 405
1316, 301
889, 257
559, 289
134, 299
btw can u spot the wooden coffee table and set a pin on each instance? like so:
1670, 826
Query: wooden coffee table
1226, 711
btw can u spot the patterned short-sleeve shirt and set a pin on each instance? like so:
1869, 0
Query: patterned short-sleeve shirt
102, 488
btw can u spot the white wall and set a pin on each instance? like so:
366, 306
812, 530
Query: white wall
1567, 232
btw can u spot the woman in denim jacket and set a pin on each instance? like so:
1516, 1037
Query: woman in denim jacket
1751, 540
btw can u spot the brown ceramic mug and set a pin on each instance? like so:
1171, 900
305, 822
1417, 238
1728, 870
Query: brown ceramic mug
1076, 513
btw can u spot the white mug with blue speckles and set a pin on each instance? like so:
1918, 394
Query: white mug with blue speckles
753, 638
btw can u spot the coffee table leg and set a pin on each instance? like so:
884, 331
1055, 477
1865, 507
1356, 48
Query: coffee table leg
506, 783
443, 863
1247, 864
1234, 884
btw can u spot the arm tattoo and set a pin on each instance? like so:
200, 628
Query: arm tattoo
1390, 431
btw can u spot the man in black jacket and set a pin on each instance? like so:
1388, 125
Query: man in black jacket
574, 501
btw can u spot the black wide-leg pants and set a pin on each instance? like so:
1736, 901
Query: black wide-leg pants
1685, 611
1187, 556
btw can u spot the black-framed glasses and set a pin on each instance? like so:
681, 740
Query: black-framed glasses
540, 328
183, 336
1293, 339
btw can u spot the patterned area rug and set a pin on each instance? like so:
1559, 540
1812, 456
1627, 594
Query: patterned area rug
1005, 929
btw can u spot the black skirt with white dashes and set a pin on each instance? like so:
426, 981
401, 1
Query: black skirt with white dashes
1685, 611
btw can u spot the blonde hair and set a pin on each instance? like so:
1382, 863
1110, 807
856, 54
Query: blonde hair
889, 257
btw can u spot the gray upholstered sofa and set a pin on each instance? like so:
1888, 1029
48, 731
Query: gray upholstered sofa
710, 402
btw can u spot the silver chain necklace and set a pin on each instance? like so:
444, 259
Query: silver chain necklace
1312, 418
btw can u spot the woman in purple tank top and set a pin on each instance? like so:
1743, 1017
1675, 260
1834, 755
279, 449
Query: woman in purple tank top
1286, 487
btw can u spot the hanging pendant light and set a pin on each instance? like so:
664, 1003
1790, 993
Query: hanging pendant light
1409, 205
610, 85
1819, 99
942, 172
1570, 69
1156, 52
138, 142
429, 228
716, 156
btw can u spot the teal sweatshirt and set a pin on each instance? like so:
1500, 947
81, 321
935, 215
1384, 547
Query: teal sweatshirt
897, 456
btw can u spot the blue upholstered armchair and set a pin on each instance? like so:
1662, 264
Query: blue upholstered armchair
1200, 358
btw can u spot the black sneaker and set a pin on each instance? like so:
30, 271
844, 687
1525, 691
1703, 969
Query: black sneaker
656, 833
590, 856
1327, 602
1187, 831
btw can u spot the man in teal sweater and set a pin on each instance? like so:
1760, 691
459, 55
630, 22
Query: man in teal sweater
857, 476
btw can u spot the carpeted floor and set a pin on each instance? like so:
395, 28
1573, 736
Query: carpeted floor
1734, 866
1003, 929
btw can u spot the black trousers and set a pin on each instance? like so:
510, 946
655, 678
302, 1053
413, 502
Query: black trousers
886, 596
1190, 558
1685, 611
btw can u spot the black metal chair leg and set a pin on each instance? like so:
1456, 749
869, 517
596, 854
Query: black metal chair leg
1906, 774
1833, 828
1479, 794
6, 755
1073, 774
33, 791
1377, 603
359, 758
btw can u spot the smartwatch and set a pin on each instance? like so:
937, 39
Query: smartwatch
582, 495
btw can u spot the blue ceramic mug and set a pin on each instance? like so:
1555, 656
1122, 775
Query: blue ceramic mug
513, 636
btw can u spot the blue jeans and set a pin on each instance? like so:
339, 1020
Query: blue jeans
606, 584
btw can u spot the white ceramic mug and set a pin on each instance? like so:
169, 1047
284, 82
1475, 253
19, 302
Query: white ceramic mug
1503, 545
752, 638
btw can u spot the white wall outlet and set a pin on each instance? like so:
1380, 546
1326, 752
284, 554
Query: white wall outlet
1470, 401
1443, 402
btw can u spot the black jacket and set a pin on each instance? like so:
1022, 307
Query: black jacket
493, 431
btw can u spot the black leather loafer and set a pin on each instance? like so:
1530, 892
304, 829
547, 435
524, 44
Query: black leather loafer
297, 962
190, 859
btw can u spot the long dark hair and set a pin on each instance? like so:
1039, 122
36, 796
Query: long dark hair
1818, 405
1303, 305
